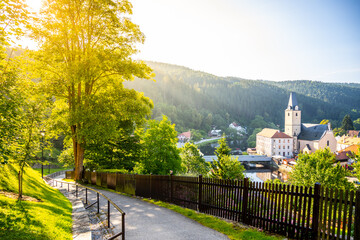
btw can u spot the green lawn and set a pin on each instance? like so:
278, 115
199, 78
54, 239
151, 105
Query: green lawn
48, 219
52, 170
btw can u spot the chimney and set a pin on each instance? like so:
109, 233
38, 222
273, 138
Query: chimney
329, 126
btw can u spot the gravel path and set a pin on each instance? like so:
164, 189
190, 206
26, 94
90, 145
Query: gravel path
146, 221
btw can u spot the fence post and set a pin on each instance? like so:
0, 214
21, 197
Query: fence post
150, 186
357, 216
245, 200
316, 209
171, 187
200, 193
123, 226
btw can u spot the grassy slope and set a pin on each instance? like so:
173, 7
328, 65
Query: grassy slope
48, 219
52, 170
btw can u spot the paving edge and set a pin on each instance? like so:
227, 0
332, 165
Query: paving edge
81, 222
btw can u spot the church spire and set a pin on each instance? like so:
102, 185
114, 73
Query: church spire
293, 105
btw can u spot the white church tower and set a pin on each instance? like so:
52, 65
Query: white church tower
293, 119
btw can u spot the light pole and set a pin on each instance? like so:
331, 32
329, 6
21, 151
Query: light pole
42, 153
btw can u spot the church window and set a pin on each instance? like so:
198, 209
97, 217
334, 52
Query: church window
288, 114
327, 143
295, 114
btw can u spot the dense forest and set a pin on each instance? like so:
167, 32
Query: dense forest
198, 100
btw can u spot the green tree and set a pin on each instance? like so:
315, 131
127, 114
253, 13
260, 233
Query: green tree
226, 166
347, 123
356, 165
192, 160
319, 167
357, 124
252, 138
160, 154
83, 58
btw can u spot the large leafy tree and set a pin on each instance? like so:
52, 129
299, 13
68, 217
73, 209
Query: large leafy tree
160, 154
84, 56
193, 161
319, 167
226, 166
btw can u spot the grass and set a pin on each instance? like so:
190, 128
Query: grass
230, 229
48, 219
52, 170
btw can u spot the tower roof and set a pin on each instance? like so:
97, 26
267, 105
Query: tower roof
293, 102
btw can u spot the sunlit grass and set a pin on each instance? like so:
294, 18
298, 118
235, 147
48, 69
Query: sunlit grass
48, 219
52, 170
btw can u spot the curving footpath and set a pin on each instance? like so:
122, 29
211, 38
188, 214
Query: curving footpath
146, 221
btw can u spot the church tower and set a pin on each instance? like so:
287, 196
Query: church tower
292, 117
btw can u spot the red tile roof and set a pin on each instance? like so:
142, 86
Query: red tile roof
185, 134
280, 135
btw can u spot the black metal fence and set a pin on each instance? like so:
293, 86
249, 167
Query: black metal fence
296, 212
75, 187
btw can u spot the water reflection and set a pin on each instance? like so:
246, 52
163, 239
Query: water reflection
261, 173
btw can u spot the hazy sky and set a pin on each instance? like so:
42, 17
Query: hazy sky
255, 39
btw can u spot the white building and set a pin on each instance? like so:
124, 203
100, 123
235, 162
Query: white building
271, 142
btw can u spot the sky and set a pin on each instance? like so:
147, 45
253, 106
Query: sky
254, 39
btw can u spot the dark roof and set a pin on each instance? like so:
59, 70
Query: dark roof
312, 132
292, 101
343, 155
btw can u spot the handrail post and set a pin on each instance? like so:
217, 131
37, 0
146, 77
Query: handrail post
76, 190
108, 214
68, 187
245, 200
123, 226
357, 216
200, 193
98, 204
316, 209
86, 202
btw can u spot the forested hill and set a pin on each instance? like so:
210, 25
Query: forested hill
198, 100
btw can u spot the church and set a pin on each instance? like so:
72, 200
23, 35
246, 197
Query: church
298, 137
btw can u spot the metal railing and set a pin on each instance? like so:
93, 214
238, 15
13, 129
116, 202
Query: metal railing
54, 182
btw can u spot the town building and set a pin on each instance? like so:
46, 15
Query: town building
306, 137
271, 142
184, 137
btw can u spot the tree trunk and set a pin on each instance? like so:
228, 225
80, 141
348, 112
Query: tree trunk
79, 158
20, 186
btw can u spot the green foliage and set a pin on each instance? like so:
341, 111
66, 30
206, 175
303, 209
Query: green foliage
356, 165
319, 167
324, 121
252, 138
347, 123
48, 219
83, 59
226, 166
357, 124
197, 100
160, 154
339, 131
192, 160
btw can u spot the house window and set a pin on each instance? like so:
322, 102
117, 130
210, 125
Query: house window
284, 154
279, 141
283, 147
279, 153
288, 147
279, 147
327, 143
288, 140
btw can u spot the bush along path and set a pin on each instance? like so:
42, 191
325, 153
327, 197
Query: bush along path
148, 221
